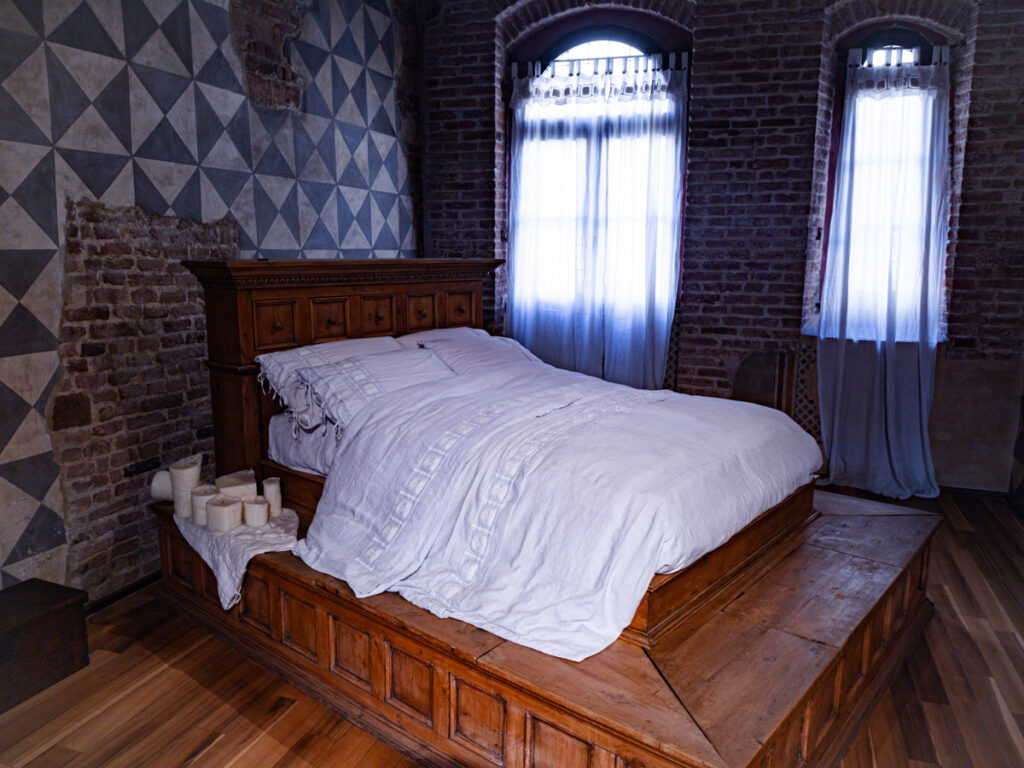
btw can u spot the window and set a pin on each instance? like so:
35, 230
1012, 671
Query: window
595, 208
887, 233
882, 290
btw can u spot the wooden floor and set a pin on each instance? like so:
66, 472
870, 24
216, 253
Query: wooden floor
959, 699
161, 692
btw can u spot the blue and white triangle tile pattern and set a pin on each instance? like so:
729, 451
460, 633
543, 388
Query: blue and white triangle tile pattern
143, 102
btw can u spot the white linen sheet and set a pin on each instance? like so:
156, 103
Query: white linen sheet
538, 504
228, 553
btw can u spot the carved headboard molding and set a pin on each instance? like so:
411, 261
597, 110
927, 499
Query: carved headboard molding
275, 274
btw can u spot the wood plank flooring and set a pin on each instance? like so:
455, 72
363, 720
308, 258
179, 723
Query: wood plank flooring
959, 699
161, 692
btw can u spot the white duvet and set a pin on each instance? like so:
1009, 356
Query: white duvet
538, 504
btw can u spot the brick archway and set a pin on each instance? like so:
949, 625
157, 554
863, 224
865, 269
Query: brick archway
516, 21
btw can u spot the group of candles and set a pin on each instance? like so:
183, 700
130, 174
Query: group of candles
223, 506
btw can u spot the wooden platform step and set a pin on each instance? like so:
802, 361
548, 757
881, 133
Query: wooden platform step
780, 673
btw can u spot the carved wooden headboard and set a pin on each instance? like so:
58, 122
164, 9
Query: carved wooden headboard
254, 307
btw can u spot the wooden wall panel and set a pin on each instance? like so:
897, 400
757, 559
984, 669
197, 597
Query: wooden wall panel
208, 586
820, 711
182, 565
350, 652
410, 684
551, 747
477, 719
254, 608
299, 625
379, 314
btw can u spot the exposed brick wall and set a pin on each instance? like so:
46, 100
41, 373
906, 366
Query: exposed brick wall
261, 30
135, 395
760, 113
463, 99
986, 313
465, 44
410, 92
753, 115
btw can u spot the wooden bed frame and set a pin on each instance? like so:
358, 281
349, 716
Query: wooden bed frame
453, 694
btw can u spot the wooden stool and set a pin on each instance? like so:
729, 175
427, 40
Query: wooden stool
42, 638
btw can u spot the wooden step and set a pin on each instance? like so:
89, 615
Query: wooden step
779, 674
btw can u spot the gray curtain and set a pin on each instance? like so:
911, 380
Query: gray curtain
882, 293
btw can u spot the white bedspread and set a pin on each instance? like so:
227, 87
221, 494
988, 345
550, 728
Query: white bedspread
538, 504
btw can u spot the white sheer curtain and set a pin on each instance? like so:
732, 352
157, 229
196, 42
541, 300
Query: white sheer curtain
595, 215
882, 293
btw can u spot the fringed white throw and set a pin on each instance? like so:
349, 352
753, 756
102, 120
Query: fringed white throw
228, 554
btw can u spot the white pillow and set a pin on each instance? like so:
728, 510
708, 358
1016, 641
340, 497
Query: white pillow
278, 369
338, 390
466, 355
413, 340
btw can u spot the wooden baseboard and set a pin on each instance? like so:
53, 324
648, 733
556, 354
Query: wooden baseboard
93, 606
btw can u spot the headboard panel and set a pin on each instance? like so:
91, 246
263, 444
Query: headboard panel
254, 307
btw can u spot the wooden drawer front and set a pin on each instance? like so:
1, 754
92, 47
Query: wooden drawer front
330, 318
378, 314
477, 719
275, 323
461, 307
421, 311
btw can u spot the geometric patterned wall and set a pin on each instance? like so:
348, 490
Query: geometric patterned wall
141, 102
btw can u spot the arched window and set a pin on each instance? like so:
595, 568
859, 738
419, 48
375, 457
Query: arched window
597, 141
591, 53
881, 296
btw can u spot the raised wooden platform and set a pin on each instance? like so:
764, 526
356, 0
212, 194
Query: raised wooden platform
778, 670
670, 598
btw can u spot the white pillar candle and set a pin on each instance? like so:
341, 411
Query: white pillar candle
160, 487
241, 485
272, 493
223, 513
200, 495
255, 511
185, 477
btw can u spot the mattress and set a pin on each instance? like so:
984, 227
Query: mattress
305, 450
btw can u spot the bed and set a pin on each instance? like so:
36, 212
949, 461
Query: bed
423, 681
